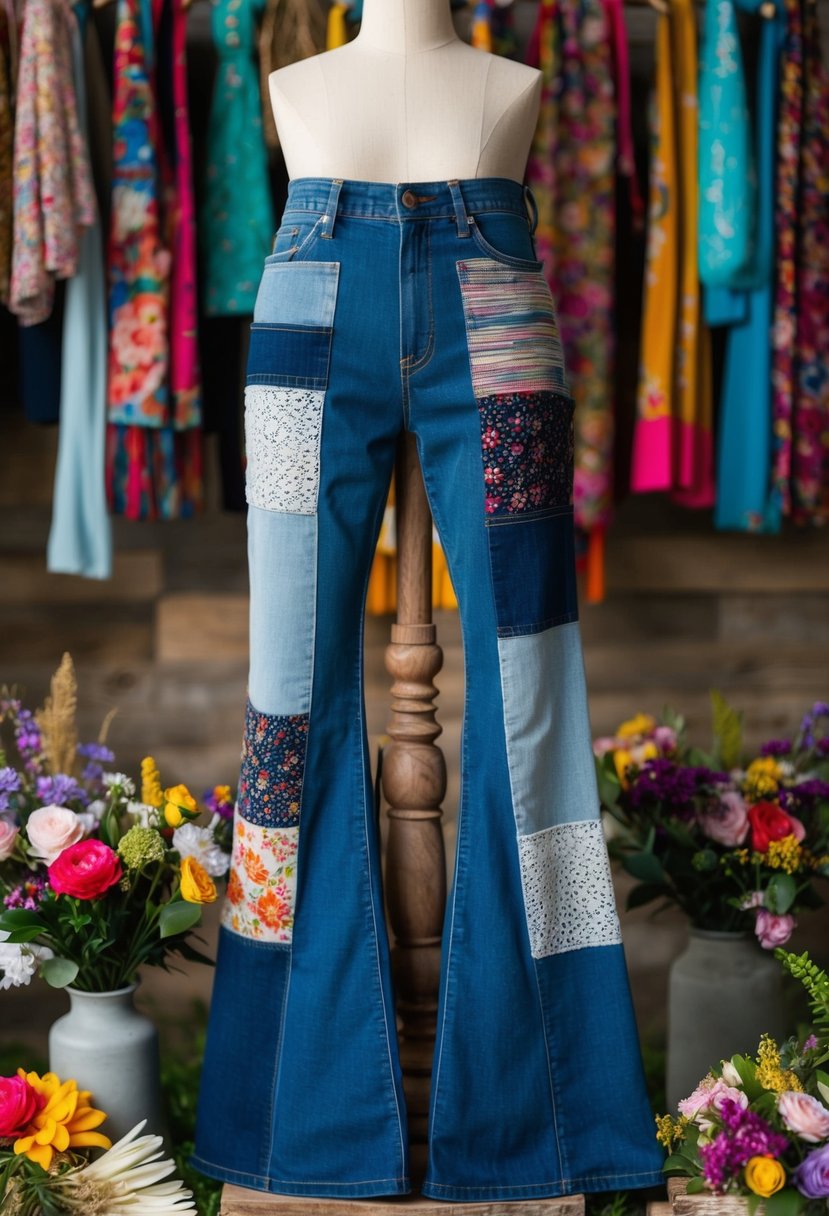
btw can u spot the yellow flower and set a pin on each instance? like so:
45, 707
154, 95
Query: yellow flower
66, 1120
150, 783
179, 805
761, 779
222, 794
197, 887
622, 761
770, 1074
785, 854
764, 1176
642, 724
669, 1129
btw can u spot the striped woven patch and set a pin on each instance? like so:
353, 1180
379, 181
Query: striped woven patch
511, 329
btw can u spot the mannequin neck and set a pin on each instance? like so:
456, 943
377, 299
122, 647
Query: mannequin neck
403, 27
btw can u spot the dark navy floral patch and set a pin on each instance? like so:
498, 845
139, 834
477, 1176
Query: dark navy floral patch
527, 445
273, 766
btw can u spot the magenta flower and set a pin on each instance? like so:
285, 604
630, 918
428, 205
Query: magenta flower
745, 1134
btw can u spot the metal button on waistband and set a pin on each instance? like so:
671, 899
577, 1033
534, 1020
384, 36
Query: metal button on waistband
408, 199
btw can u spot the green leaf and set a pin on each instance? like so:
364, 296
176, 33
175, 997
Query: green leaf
644, 894
781, 893
787, 1202
645, 867
676, 1161
20, 918
695, 1185
19, 936
609, 784
728, 731
178, 917
824, 1091
748, 1076
58, 972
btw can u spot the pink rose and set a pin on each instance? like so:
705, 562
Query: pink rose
726, 821
8, 836
804, 1115
710, 1093
773, 930
604, 744
51, 829
85, 870
19, 1103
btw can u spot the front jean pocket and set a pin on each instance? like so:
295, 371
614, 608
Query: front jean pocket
505, 237
293, 239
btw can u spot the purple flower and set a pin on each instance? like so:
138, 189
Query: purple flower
27, 734
9, 784
673, 785
28, 895
96, 751
809, 1044
60, 790
776, 747
218, 806
822, 746
805, 794
812, 1175
745, 1134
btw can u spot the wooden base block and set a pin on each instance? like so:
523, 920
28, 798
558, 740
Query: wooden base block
237, 1201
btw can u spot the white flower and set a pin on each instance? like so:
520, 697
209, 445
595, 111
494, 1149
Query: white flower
19, 963
97, 808
192, 841
51, 829
125, 783
126, 1179
146, 816
730, 1075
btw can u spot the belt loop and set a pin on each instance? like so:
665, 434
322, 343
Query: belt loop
532, 209
461, 217
327, 230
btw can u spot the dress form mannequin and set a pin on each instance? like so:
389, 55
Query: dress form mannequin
406, 100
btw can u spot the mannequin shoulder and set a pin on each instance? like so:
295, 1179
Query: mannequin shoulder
511, 84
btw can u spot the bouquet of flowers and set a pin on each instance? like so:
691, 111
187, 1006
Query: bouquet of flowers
759, 1126
48, 1128
95, 882
735, 841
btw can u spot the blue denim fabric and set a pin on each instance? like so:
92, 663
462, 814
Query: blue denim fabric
431, 312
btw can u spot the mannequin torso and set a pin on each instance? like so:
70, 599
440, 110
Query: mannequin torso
406, 100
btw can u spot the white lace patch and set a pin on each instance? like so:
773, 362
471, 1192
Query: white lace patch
568, 889
261, 889
282, 440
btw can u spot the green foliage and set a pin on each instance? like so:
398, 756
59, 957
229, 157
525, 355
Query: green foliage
816, 983
728, 731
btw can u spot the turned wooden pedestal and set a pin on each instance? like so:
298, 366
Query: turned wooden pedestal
239, 1202
414, 783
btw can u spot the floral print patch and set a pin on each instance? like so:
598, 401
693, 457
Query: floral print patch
527, 446
261, 890
273, 766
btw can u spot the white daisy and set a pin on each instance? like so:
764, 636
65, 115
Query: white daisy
126, 1179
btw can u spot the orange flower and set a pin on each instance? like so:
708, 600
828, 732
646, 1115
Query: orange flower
254, 868
273, 910
235, 890
65, 1121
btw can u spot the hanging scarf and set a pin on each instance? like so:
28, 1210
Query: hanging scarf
810, 454
53, 193
6, 155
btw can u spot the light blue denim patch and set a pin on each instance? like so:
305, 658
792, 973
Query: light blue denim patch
547, 729
297, 293
282, 556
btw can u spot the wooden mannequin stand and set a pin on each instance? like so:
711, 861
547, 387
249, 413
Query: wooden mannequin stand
414, 783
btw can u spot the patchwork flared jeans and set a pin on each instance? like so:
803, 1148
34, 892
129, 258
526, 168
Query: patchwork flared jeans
421, 307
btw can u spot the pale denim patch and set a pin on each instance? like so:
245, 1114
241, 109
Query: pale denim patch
282, 438
511, 330
568, 889
298, 293
548, 737
261, 890
282, 558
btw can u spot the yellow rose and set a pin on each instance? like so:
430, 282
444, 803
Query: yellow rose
764, 1176
197, 887
179, 805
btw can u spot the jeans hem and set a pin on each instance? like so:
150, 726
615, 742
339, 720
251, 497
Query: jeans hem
317, 1190
542, 1190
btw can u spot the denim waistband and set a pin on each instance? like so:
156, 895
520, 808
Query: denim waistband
402, 201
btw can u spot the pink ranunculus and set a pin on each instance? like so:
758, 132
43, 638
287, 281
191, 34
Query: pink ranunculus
85, 870
51, 829
710, 1093
665, 739
8, 838
804, 1115
19, 1103
726, 821
773, 930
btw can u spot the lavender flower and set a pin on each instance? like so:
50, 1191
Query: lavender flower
809, 1044
28, 895
804, 795
96, 751
27, 734
812, 1175
744, 1135
9, 784
60, 790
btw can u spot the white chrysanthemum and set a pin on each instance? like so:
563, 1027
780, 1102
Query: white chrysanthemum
145, 816
126, 1179
96, 808
19, 963
125, 783
192, 841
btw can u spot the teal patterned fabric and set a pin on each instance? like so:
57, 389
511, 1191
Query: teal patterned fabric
237, 219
